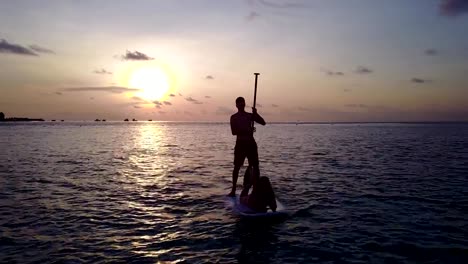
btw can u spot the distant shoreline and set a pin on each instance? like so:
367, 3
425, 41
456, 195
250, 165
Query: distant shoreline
226, 122
21, 119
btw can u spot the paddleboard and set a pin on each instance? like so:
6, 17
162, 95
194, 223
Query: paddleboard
242, 210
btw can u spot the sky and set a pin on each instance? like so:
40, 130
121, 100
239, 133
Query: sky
188, 60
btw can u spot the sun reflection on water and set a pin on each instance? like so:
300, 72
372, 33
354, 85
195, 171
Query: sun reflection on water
147, 176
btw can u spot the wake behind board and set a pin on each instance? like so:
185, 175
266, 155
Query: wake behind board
242, 210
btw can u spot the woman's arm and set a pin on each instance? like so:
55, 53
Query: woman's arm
272, 205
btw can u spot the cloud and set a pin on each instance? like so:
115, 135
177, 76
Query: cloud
136, 106
162, 112
109, 89
333, 73
135, 56
136, 98
102, 71
274, 105
207, 96
418, 80
157, 103
338, 73
6, 47
453, 7
172, 95
356, 105
222, 110
209, 77
194, 101
58, 93
431, 52
40, 49
259, 105
252, 16
304, 109
363, 70
167, 103
180, 94
281, 4
346, 90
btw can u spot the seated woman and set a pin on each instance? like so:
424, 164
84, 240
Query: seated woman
262, 196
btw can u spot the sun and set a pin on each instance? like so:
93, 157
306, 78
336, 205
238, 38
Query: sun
152, 81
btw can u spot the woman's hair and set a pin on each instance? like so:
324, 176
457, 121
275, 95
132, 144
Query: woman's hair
265, 190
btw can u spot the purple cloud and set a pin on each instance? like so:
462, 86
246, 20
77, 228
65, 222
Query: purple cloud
420, 81
40, 49
167, 103
333, 73
102, 71
356, 105
363, 70
6, 47
135, 56
209, 77
194, 101
431, 52
110, 89
222, 110
453, 7
252, 16
281, 4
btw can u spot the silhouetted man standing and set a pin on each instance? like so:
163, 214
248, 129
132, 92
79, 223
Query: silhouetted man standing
242, 127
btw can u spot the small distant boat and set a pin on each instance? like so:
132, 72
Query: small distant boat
134, 119
53, 120
150, 120
97, 120
62, 120
103, 120
126, 120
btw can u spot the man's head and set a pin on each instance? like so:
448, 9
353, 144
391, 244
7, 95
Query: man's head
240, 103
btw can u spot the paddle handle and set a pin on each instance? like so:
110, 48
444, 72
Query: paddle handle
255, 94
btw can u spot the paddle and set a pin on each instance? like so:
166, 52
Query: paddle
253, 120
255, 98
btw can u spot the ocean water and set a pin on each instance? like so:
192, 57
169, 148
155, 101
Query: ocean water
148, 192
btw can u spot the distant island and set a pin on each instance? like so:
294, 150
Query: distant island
15, 119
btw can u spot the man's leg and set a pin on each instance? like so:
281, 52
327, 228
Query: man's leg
239, 157
235, 175
247, 181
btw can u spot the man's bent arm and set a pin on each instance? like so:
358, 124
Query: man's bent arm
259, 119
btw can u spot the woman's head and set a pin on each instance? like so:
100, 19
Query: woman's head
264, 187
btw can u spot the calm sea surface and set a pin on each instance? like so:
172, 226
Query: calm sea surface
143, 192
